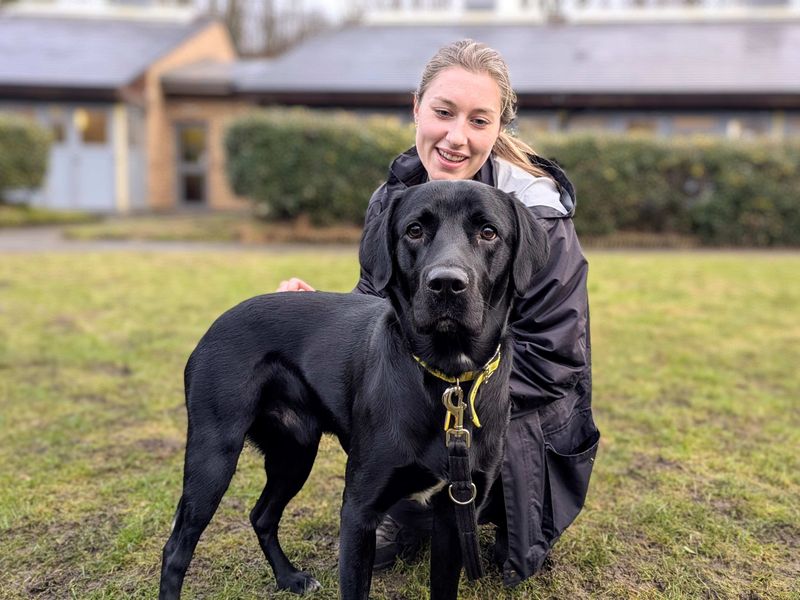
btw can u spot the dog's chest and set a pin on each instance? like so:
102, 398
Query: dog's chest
424, 496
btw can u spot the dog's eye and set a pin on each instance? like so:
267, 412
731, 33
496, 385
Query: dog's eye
414, 231
488, 233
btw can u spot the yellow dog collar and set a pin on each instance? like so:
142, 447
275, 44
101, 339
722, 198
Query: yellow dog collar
481, 376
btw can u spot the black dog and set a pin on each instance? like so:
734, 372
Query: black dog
282, 369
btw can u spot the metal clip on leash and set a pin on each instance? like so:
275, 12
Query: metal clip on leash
453, 399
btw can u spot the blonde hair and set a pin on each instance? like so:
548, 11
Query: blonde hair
479, 58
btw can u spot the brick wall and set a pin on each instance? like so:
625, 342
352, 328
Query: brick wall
211, 44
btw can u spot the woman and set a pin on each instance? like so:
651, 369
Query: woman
461, 109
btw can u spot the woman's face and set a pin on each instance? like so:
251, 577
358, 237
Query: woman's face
458, 121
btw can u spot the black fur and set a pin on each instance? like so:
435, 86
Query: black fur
282, 369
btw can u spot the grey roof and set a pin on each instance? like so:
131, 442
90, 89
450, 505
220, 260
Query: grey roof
652, 58
80, 53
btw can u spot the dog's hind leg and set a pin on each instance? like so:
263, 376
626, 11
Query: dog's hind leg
287, 460
211, 458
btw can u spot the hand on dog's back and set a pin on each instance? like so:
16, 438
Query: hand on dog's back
294, 285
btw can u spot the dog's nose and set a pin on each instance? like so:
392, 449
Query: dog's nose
447, 280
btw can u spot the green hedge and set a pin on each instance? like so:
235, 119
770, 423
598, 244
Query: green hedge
24, 149
324, 165
721, 192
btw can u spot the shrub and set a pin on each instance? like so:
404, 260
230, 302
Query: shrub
753, 197
24, 148
723, 193
324, 165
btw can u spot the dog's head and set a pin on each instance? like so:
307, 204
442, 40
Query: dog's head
450, 255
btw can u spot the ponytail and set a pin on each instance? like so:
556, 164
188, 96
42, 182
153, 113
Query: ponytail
518, 153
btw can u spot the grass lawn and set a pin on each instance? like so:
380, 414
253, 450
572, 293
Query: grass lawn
20, 215
696, 491
243, 227
212, 227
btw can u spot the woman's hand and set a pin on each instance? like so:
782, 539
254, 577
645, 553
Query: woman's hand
294, 285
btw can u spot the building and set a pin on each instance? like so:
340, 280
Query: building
139, 108
96, 83
572, 11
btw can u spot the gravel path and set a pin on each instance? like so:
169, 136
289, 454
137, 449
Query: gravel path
51, 239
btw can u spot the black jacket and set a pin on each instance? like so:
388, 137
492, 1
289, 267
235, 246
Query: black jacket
552, 439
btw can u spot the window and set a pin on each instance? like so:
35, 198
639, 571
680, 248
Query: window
793, 126
58, 132
57, 118
696, 124
534, 125
194, 189
92, 125
479, 4
192, 145
589, 123
642, 125
748, 127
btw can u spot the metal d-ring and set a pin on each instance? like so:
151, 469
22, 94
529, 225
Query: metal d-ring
459, 502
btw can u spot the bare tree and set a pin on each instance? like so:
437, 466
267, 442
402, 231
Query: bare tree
268, 27
284, 26
233, 19
553, 10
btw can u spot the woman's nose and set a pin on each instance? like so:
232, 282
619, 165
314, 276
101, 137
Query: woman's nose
456, 135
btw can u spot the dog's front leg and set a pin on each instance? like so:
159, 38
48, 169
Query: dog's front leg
356, 549
446, 558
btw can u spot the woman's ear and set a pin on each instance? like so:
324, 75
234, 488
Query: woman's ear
415, 111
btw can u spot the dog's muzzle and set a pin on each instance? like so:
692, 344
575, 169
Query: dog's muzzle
447, 301
446, 281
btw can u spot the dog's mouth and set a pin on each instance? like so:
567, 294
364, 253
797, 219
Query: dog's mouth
446, 325
451, 315
447, 322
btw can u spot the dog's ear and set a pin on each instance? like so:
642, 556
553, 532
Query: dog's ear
375, 250
532, 250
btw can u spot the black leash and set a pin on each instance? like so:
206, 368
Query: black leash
457, 439
461, 490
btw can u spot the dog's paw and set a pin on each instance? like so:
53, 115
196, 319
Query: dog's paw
299, 583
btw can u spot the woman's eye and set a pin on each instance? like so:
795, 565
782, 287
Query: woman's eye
480, 122
488, 233
441, 112
414, 231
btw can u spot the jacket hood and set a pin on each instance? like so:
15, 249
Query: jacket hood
547, 197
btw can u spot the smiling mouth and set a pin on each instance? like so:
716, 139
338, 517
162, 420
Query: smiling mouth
454, 158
